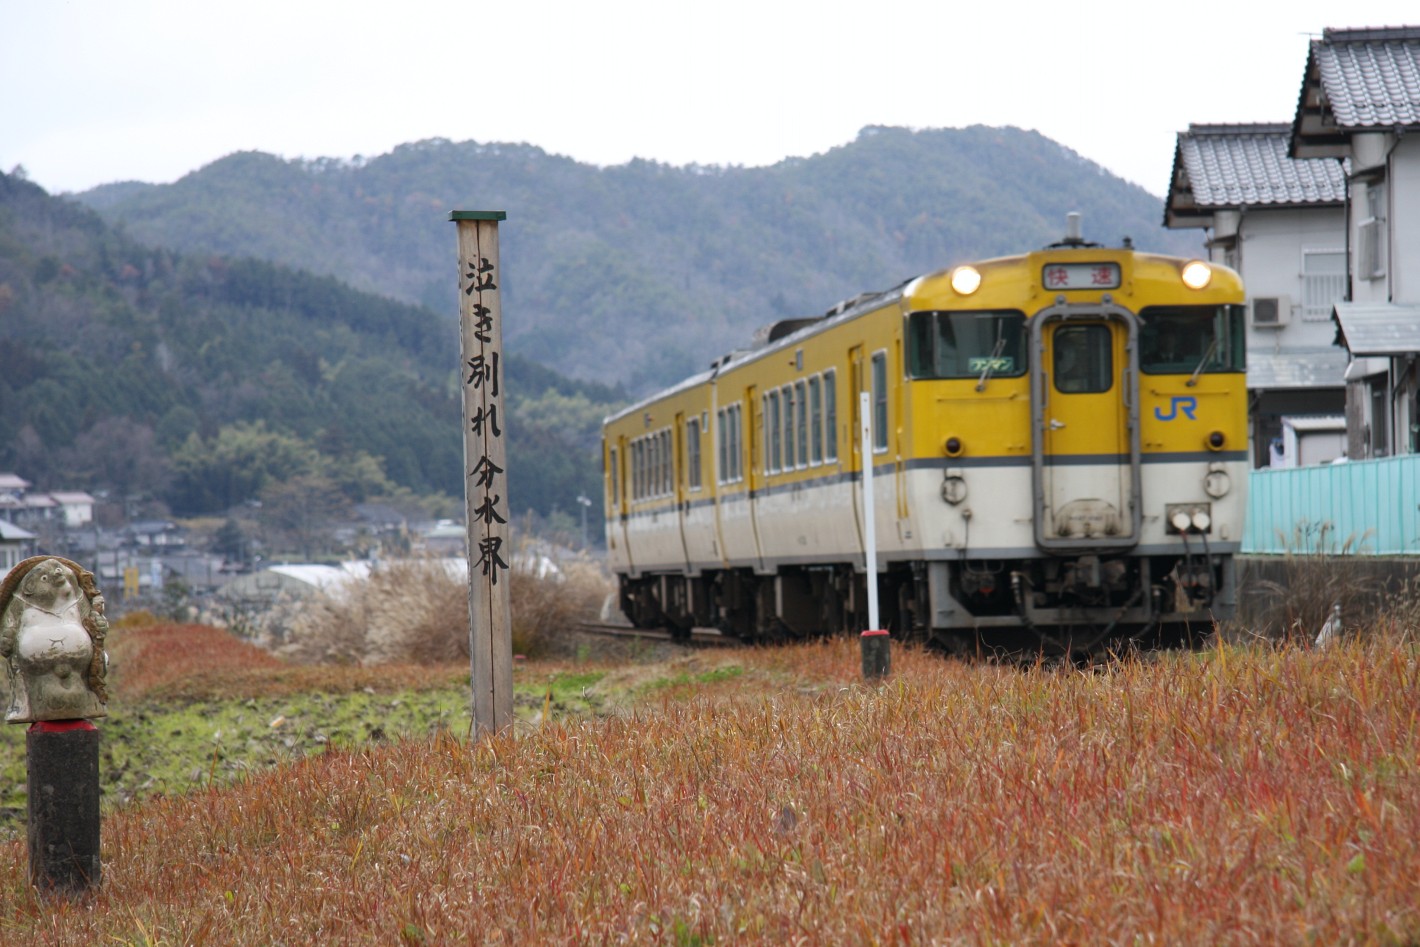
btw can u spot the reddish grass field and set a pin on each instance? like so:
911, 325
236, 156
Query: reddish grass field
201, 662
1237, 796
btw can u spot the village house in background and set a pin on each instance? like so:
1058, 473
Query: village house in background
1322, 219
1360, 103
23, 507
1281, 223
159, 565
1353, 139
16, 545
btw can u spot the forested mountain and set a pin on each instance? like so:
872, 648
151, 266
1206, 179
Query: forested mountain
208, 380
642, 273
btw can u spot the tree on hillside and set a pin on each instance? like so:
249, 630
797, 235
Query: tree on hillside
300, 515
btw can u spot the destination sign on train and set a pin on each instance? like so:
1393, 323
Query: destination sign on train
1081, 276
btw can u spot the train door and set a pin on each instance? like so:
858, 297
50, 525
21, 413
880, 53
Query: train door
681, 472
856, 385
618, 502
1084, 409
753, 460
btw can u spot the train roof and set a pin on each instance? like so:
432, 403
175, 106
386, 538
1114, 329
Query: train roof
773, 338
789, 332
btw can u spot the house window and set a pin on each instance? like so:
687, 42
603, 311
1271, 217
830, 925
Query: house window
1323, 282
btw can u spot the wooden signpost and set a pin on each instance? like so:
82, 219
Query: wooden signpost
485, 460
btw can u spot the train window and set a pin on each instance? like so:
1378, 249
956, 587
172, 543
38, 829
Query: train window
614, 473
786, 436
662, 465
720, 446
801, 423
1181, 340
966, 344
667, 465
636, 452
880, 402
730, 444
735, 451
1084, 359
815, 420
692, 453
653, 486
771, 431
830, 415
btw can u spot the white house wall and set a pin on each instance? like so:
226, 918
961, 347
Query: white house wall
1274, 242
1404, 268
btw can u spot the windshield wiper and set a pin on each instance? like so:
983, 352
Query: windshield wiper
1207, 357
991, 363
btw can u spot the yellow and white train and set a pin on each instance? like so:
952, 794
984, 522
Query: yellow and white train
1059, 456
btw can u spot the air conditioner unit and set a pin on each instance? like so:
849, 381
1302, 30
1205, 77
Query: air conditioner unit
1271, 312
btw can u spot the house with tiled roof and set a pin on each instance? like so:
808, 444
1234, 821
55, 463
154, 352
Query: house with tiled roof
75, 506
1360, 102
16, 545
1281, 223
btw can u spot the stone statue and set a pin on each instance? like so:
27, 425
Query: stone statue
52, 630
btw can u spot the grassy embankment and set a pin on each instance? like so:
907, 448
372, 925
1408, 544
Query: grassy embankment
767, 796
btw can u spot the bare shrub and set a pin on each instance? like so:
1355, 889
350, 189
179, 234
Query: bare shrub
1296, 605
1401, 615
1289, 599
417, 611
545, 607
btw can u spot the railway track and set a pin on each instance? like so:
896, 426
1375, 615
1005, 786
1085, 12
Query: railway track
699, 638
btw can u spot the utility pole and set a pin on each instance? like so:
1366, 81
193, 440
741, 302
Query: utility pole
584, 503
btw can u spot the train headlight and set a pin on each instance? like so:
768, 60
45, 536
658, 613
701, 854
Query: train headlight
1197, 274
966, 280
953, 446
954, 488
1216, 440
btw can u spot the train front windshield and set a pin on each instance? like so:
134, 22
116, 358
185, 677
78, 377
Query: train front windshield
966, 344
1181, 340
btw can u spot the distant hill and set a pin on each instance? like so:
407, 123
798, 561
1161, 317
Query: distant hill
643, 272
204, 380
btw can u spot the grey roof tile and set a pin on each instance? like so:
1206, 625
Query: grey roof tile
1315, 368
1379, 328
1371, 77
1232, 165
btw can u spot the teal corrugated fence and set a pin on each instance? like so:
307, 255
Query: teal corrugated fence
1364, 507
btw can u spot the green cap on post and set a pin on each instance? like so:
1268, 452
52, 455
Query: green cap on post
478, 215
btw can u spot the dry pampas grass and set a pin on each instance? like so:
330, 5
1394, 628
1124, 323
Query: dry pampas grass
417, 611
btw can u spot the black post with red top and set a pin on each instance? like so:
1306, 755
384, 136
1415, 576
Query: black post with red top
63, 805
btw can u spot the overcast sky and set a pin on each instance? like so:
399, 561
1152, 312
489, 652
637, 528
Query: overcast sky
93, 91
